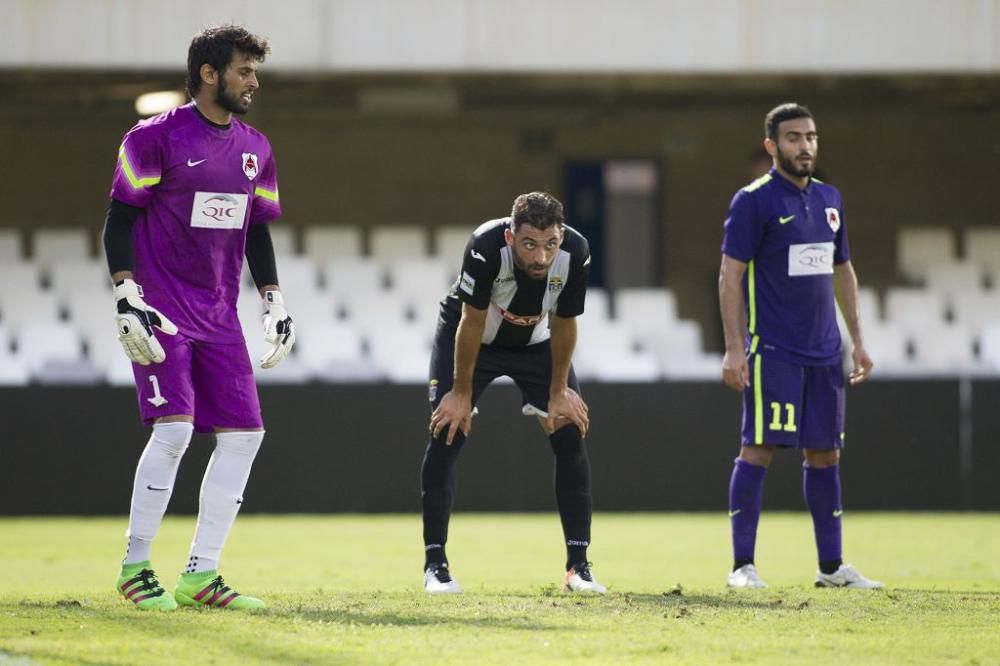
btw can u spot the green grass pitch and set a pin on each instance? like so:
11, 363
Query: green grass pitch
346, 590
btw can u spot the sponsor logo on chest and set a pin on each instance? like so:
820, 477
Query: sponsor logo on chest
518, 320
810, 259
218, 210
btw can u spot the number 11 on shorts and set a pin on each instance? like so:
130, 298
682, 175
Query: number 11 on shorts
776, 424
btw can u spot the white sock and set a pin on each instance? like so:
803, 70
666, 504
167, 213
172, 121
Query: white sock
222, 494
154, 482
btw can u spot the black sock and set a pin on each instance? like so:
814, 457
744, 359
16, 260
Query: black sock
437, 491
434, 555
572, 481
830, 566
741, 563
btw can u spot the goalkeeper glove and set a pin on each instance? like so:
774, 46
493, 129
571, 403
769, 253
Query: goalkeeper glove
278, 329
135, 322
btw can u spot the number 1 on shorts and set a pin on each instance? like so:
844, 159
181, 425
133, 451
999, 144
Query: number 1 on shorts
158, 399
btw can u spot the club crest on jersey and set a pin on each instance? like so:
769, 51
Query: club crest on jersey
251, 165
833, 219
555, 283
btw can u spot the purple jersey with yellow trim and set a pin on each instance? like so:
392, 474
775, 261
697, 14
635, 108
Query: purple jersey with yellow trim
790, 239
200, 186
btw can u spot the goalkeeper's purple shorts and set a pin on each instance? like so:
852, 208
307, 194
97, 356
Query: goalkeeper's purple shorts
212, 382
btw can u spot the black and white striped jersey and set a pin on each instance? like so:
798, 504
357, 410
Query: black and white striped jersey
518, 307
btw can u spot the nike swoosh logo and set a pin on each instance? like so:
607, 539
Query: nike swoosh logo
157, 489
476, 255
785, 220
838, 513
587, 263
733, 513
192, 163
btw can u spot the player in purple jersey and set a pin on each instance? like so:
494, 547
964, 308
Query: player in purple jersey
785, 267
192, 193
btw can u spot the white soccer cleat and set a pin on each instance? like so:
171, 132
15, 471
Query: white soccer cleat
438, 580
746, 577
847, 576
580, 579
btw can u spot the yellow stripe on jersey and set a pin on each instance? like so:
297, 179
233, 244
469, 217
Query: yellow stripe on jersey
133, 180
266, 194
760, 182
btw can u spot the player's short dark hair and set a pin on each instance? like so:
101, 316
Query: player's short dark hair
539, 209
781, 113
215, 46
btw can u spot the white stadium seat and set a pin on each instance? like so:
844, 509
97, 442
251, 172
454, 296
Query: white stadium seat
283, 239
60, 244
920, 248
943, 348
297, 274
607, 353
41, 343
324, 243
645, 311
10, 245
24, 275
912, 308
450, 242
976, 309
374, 311
20, 308
411, 275
401, 352
596, 310
887, 346
989, 346
953, 278
982, 247
390, 243
347, 275
76, 276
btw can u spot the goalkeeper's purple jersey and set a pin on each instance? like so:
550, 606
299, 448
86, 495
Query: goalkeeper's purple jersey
200, 186
790, 239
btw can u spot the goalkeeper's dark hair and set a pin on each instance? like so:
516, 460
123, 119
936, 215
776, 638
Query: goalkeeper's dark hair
538, 209
216, 45
781, 113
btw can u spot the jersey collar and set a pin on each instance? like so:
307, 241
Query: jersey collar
787, 184
201, 116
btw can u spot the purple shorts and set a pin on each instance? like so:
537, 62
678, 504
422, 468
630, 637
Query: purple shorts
214, 383
793, 405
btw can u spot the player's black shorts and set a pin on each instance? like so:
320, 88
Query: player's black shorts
530, 367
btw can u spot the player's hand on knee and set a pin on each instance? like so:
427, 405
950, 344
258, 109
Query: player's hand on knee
135, 322
567, 405
453, 413
735, 370
279, 330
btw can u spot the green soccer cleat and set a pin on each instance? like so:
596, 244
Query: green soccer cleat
137, 583
206, 588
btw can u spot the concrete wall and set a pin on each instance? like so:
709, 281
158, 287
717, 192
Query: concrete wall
664, 447
522, 35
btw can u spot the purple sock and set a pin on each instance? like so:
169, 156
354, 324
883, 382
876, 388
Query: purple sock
821, 488
746, 489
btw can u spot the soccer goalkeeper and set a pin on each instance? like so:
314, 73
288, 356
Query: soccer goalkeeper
193, 189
